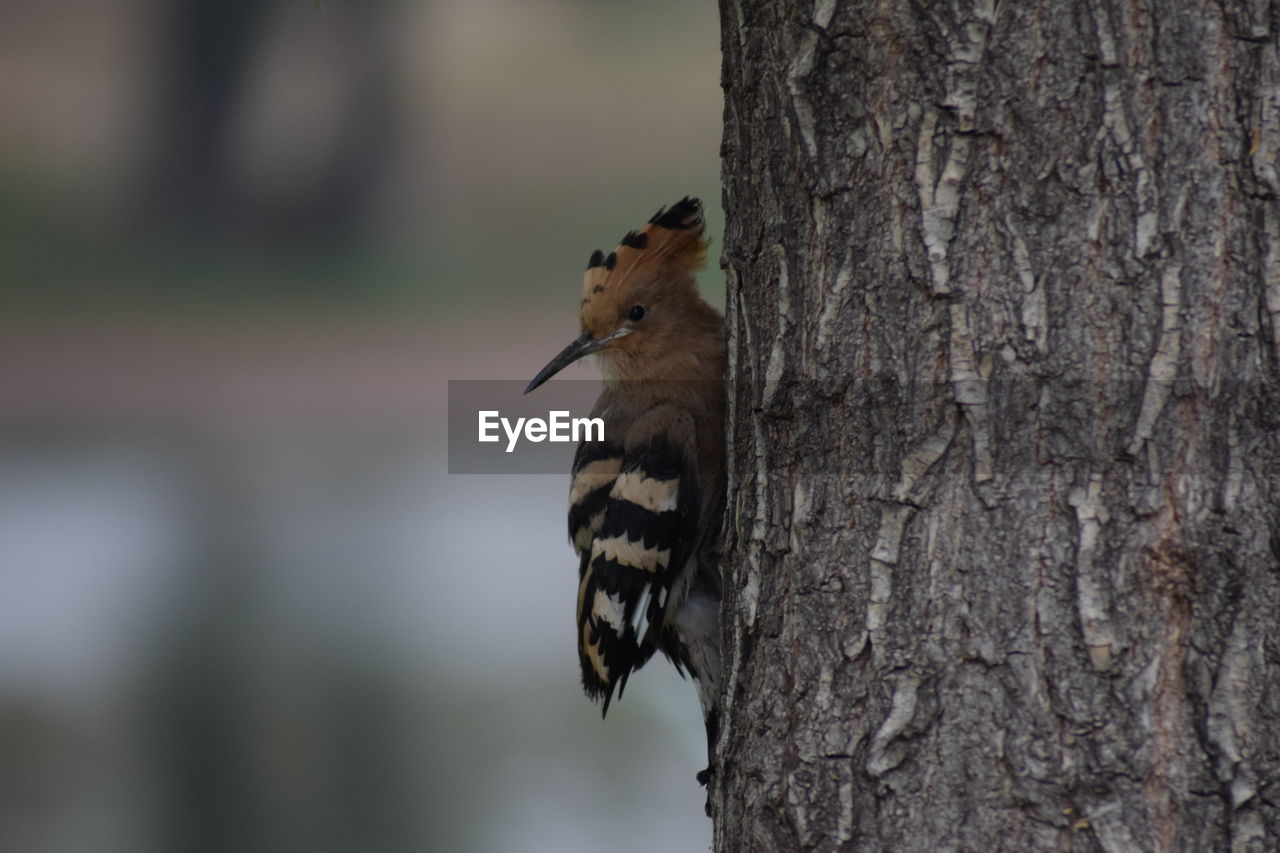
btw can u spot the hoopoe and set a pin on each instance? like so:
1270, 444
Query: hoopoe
645, 504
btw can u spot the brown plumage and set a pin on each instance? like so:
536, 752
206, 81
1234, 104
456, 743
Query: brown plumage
645, 504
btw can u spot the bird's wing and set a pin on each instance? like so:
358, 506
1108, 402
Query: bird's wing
634, 535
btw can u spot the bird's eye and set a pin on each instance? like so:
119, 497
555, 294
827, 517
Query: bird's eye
636, 314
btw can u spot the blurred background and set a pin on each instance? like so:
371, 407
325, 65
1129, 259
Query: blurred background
243, 246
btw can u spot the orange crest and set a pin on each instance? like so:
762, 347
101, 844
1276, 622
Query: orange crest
661, 256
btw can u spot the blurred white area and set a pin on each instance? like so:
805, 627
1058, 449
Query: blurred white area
90, 547
350, 567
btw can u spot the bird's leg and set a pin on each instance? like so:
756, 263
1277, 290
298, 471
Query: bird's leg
706, 776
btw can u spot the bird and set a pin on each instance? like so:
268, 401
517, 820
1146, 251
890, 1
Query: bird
646, 502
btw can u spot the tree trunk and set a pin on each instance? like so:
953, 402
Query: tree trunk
1003, 551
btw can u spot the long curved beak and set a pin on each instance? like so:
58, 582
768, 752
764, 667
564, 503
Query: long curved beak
583, 345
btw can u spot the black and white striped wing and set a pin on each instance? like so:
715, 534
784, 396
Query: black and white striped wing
634, 540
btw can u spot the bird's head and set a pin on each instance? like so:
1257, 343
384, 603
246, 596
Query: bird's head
641, 312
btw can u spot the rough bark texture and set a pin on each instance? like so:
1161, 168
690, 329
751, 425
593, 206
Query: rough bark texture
1003, 555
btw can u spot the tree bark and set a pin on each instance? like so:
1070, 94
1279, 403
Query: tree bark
1003, 549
